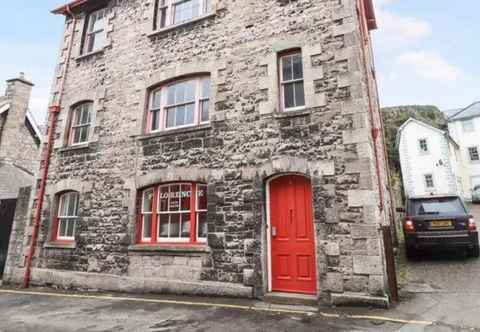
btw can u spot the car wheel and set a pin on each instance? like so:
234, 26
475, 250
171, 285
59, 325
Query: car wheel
474, 252
410, 252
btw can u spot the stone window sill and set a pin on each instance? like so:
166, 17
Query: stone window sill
177, 26
60, 245
75, 147
91, 54
175, 131
169, 248
292, 114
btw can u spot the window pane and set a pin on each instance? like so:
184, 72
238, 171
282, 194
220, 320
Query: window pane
170, 118
288, 90
208, 6
186, 10
85, 114
70, 228
190, 90
100, 39
162, 16
76, 135
287, 68
180, 93
147, 226
91, 43
180, 116
62, 227
205, 88
163, 203
185, 224
297, 67
147, 201
171, 94
174, 198
189, 114
204, 105
156, 99
163, 227
155, 120
299, 94
201, 197
175, 225
84, 134
202, 224
185, 197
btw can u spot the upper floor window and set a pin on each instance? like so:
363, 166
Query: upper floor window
80, 123
429, 183
95, 32
67, 215
473, 154
175, 212
291, 81
180, 104
423, 145
468, 126
173, 12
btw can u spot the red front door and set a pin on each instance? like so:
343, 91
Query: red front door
292, 235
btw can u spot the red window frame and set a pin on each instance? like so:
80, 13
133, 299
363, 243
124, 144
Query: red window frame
194, 212
56, 221
74, 126
201, 103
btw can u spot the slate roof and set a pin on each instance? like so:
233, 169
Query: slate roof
13, 178
466, 113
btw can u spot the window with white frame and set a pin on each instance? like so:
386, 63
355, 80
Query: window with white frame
179, 104
67, 216
429, 182
291, 81
80, 123
174, 12
95, 31
174, 212
423, 145
473, 154
468, 126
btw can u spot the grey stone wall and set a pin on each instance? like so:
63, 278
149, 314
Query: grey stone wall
247, 141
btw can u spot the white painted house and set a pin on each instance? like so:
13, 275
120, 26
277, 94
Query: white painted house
464, 127
429, 160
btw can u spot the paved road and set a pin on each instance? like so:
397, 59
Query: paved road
443, 287
39, 313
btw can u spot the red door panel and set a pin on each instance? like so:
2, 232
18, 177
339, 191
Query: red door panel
292, 235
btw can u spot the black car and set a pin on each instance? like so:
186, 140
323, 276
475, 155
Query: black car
439, 221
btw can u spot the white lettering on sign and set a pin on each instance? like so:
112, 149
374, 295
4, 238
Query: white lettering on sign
175, 194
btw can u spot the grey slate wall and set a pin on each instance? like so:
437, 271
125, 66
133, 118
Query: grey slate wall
248, 140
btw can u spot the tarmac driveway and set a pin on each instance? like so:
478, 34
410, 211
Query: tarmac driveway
442, 287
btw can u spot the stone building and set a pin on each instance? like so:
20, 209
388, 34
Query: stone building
20, 139
215, 147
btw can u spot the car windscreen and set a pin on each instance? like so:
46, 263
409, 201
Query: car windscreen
437, 206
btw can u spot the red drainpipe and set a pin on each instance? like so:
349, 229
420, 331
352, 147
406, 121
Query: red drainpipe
54, 111
375, 131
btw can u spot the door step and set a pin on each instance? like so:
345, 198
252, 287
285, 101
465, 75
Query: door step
291, 299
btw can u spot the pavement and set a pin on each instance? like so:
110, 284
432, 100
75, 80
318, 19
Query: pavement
440, 292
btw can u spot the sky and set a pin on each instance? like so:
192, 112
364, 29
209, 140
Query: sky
426, 51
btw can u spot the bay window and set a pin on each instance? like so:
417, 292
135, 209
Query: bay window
291, 81
180, 104
67, 215
174, 212
174, 12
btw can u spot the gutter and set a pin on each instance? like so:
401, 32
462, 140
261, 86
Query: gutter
54, 111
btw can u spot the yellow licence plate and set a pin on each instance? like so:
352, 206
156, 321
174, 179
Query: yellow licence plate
441, 223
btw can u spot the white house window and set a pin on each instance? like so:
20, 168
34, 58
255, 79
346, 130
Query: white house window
80, 123
95, 33
423, 145
291, 81
180, 104
173, 12
67, 216
201, 212
473, 154
146, 214
174, 215
429, 183
468, 126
